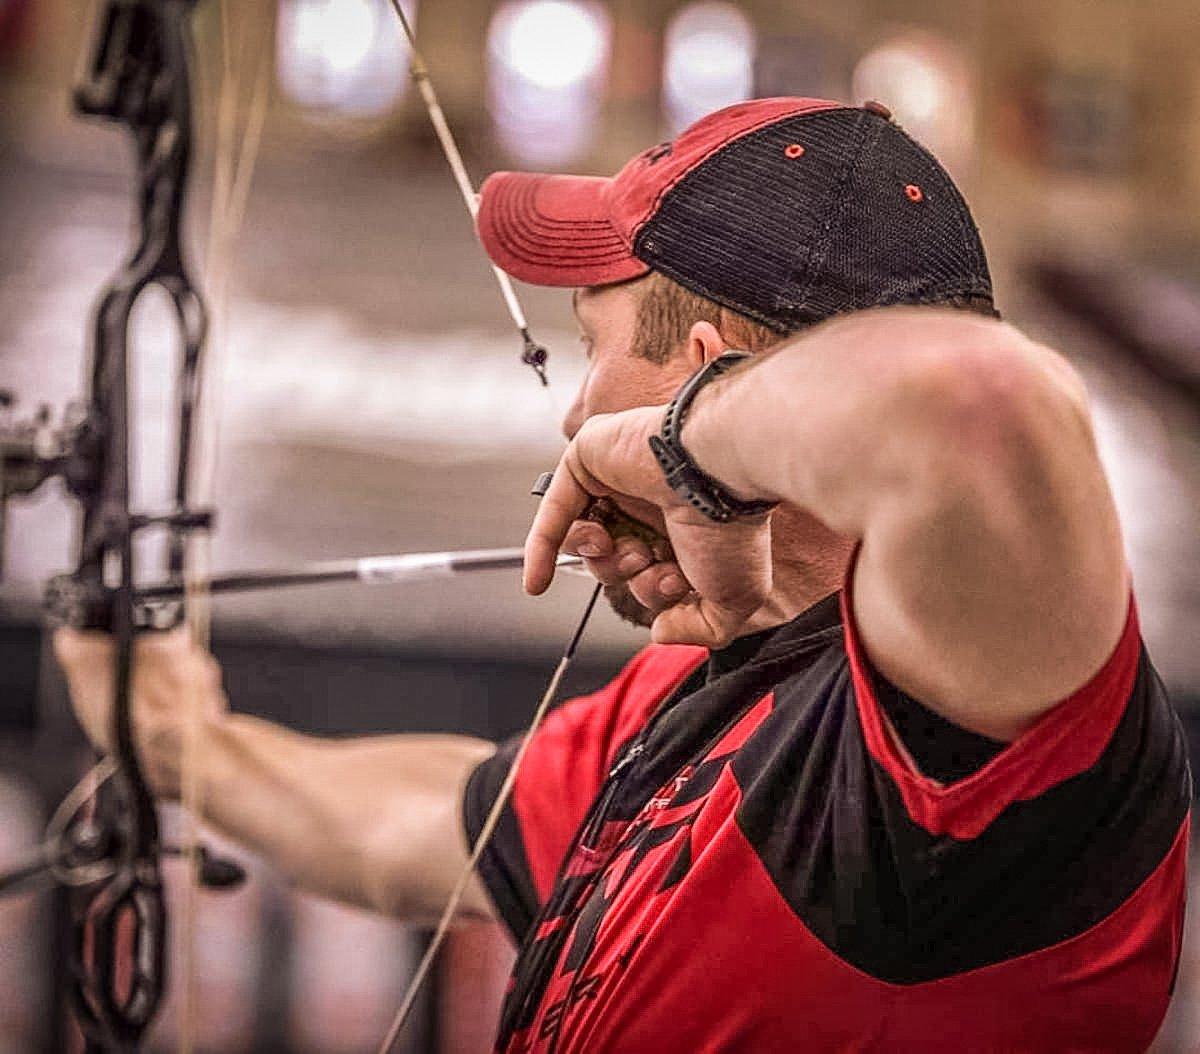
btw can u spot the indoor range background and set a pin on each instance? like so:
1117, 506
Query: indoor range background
370, 398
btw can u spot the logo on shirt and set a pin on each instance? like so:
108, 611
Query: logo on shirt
618, 860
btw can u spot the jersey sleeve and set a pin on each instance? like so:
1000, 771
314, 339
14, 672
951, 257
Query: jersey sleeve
1067, 740
562, 771
913, 879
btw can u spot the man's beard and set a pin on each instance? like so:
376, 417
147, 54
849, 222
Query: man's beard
621, 599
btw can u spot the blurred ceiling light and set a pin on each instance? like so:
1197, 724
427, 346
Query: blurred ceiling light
547, 63
342, 57
926, 83
709, 63
552, 43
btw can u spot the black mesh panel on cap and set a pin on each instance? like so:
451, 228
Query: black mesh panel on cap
792, 237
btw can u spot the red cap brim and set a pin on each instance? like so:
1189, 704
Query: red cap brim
554, 230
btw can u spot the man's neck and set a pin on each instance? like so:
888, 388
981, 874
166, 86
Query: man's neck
810, 562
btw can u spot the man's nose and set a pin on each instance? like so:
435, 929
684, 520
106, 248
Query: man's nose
575, 416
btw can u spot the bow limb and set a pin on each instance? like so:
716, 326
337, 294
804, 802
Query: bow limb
140, 78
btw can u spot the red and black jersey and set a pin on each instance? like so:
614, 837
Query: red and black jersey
775, 850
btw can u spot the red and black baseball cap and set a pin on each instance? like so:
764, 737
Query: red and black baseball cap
786, 210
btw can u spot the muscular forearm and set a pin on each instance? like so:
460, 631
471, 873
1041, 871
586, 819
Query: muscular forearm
369, 821
991, 577
858, 413
372, 821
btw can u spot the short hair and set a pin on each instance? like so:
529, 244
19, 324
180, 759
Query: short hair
666, 312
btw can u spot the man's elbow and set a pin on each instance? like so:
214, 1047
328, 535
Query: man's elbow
1018, 466
1005, 409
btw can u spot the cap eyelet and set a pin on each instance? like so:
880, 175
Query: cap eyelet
914, 194
793, 150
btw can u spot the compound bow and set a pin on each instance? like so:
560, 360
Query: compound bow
104, 841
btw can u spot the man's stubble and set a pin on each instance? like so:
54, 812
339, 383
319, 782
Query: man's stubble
627, 607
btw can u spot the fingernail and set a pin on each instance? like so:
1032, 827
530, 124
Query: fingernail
632, 563
672, 586
589, 549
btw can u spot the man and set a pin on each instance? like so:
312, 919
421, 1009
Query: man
897, 774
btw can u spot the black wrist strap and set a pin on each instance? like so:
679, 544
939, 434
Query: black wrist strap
682, 474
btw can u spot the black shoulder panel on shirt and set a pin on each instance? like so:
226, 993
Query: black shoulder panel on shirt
908, 907
941, 749
504, 867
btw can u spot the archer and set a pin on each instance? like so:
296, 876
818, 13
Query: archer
897, 773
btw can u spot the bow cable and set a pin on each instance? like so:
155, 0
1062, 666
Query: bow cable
234, 160
486, 831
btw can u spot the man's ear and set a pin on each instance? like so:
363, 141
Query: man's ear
704, 344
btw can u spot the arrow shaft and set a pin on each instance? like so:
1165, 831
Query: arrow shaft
369, 570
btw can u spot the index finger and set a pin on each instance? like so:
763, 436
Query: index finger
562, 505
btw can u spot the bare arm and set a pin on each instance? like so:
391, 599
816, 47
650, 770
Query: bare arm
991, 580
372, 821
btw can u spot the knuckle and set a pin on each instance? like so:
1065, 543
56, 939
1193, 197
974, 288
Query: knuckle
645, 594
594, 424
603, 571
66, 645
577, 532
633, 547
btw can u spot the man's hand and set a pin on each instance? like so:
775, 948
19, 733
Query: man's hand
721, 573
172, 679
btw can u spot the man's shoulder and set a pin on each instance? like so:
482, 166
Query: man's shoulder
658, 665
615, 712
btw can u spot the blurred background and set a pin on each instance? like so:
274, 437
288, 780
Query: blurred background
370, 399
